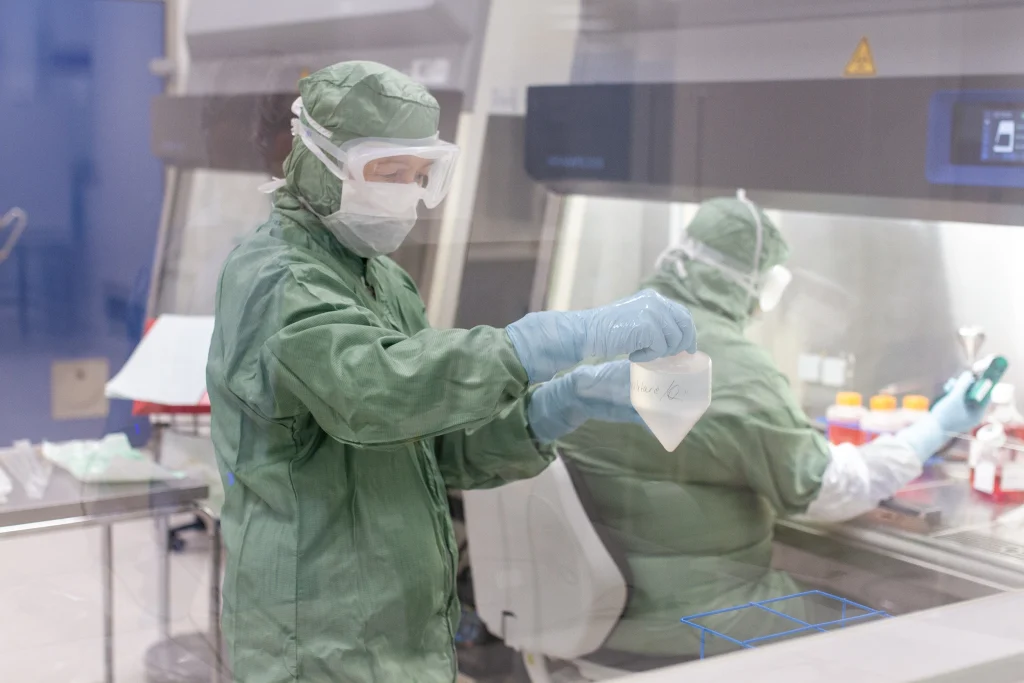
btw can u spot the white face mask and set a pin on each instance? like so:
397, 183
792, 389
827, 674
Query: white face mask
773, 286
374, 218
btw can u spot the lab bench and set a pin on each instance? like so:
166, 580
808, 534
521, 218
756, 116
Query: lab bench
941, 543
946, 560
68, 503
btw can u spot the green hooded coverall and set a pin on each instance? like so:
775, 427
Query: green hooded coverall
696, 524
339, 420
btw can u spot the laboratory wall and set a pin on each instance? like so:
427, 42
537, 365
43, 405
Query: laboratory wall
982, 267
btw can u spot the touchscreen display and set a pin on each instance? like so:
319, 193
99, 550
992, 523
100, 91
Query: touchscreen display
987, 134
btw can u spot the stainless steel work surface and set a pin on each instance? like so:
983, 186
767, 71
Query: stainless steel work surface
946, 486
66, 498
966, 531
967, 520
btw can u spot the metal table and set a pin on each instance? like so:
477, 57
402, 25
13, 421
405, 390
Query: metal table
972, 533
68, 503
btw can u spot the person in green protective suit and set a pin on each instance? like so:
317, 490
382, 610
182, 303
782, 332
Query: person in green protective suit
696, 524
339, 417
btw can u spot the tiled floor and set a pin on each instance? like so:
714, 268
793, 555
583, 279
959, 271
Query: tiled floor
50, 591
51, 628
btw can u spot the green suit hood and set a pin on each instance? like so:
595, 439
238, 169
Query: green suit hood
726, 225
355, 100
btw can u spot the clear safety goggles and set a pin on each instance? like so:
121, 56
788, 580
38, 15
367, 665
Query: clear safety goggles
767, 287
428, 164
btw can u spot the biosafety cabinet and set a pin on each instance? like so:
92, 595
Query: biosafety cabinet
884, 138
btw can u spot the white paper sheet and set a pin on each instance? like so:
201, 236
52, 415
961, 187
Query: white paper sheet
169, 365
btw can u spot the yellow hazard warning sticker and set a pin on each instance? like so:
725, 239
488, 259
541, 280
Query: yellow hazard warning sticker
862, 63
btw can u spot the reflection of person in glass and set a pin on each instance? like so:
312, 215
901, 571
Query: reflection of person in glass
340, 416
697, 523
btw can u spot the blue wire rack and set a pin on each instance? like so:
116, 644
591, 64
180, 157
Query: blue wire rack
842, 604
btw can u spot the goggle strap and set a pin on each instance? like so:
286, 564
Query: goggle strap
272, 186
741, 195
699, 251
306, 135
299, 109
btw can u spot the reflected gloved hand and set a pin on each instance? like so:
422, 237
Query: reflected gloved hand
950, 416
645, 326
590, 392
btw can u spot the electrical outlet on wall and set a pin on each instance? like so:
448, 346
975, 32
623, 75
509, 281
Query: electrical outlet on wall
834, 372
77, 388
809, 368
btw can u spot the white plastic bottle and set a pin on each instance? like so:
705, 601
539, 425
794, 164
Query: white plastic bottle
1003, 409
914, 408
844, 418
882, 418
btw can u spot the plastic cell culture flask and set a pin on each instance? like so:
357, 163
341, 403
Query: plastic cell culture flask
671, 394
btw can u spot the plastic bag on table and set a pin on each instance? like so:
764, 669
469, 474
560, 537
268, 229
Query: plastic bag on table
107, 461
5, 486
22, 462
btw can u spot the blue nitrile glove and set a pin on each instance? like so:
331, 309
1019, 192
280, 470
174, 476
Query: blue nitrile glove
590, 392
948, 418
645, 326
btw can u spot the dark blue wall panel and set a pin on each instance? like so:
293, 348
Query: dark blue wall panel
75, 92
